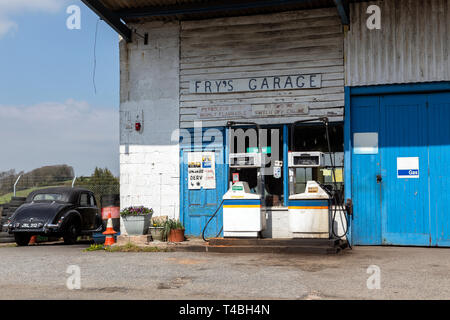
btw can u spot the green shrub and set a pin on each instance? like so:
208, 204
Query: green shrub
136, 211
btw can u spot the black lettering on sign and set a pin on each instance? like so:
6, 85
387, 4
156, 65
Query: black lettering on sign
288, 82
300, 81
218, 83
276, 82
265, 84
208, 86
252, 86
312, 81
197, 86
230, 85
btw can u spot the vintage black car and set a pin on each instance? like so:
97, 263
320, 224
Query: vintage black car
56, 212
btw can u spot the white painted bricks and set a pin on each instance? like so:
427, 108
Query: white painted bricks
149, 161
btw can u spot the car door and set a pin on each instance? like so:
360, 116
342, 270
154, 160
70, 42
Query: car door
84, 208
93, 212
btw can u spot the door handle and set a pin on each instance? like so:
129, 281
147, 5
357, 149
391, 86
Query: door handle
379, 179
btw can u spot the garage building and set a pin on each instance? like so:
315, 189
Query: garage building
189, 67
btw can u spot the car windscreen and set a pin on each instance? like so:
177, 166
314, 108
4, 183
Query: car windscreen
48, 197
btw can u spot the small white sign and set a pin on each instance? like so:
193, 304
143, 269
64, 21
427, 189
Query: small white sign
365, 142
277, 172
408, 168
201, 170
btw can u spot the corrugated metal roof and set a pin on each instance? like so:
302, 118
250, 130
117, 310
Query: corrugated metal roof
124, 7
135, 4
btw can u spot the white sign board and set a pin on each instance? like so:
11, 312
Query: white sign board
269, 83
365, 142
201, 170
408, 168
252, 111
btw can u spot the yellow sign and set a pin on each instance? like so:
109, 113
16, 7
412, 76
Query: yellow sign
337, 172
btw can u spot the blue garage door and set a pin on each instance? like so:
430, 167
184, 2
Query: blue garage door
400, 171
199, 203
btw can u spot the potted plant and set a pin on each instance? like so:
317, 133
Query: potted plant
136, 219
174, 230
157, 230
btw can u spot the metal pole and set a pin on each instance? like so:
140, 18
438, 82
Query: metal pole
15, 184
73, 181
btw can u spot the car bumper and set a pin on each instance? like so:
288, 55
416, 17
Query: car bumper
46, 229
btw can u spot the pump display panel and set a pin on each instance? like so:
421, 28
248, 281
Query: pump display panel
306, 159
245, 160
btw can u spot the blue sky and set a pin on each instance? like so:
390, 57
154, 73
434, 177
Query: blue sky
49, 112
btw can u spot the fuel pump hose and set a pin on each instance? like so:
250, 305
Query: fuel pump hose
206, 225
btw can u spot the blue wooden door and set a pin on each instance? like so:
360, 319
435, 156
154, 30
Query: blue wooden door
439, 154
366, 225
402, 211
403, 134
199, 205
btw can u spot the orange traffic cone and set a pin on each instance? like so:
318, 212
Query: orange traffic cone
33, 240
109, 232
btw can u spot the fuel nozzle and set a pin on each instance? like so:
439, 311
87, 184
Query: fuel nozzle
349, 207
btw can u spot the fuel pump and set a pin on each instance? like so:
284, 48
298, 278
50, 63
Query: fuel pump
312, 213
243, 203
242, 214
308, 211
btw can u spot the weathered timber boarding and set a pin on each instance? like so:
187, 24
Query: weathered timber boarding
274, 66
413, 44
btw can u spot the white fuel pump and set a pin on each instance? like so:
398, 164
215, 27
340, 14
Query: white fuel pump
242, 214
309, 212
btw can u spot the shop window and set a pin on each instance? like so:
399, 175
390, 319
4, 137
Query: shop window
313, 138
271, 142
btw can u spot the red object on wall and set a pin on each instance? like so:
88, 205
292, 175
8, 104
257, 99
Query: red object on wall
137, 126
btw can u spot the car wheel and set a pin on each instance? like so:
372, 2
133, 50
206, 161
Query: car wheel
22, 239
72, 232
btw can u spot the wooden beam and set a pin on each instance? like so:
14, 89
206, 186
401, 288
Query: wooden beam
110, 18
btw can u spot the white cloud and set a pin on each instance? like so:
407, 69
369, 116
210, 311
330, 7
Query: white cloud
72, 132
6, 26
14, 6
10, 8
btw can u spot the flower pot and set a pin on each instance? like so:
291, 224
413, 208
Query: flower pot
176, 235
157, 233
136, 225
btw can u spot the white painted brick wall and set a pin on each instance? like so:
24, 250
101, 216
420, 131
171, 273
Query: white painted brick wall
149, 161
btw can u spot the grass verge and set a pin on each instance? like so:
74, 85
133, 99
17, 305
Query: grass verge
8, 245
129, 247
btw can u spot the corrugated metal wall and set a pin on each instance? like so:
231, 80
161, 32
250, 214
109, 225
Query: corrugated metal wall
299, 42
413, 44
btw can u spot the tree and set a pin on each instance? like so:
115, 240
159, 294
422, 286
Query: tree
101, 182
